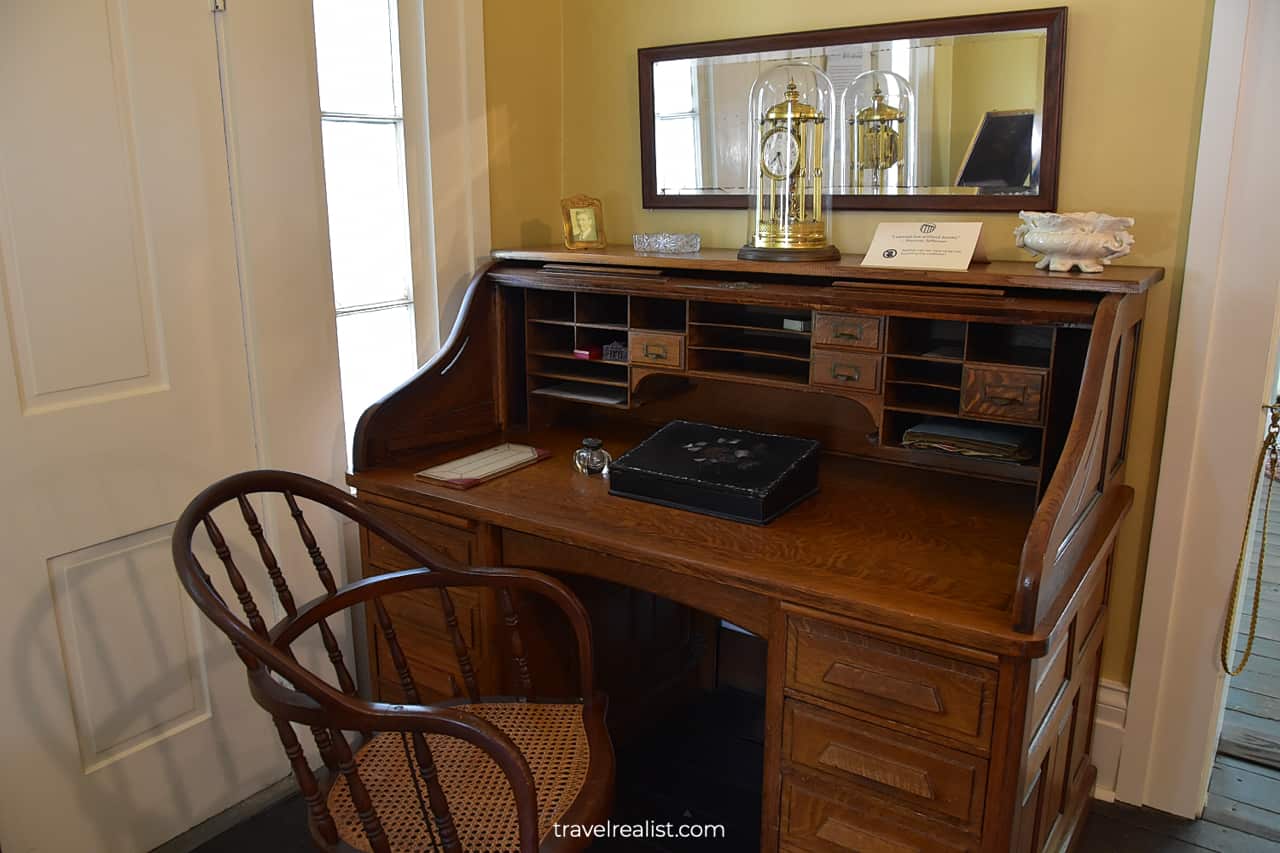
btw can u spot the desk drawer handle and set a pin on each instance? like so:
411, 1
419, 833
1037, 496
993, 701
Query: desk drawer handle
874, 768
656, 351
1004, 395
846, 836
855, 335
913, 694
854, 373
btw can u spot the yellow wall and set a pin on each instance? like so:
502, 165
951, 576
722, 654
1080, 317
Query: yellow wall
522, 49
991, 74
1134, 83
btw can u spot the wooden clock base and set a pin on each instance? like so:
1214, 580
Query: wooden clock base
760, 253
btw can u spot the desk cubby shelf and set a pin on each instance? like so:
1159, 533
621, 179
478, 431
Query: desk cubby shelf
904, 369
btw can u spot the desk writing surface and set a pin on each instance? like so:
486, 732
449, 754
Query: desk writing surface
921, 543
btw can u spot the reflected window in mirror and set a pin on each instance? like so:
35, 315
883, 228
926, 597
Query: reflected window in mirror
677, 125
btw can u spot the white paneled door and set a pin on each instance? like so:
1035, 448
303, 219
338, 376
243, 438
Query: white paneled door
125, 387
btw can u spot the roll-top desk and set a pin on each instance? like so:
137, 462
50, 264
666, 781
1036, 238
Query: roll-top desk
934, 620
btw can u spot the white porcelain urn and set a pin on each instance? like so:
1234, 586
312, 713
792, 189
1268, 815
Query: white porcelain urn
1082, 240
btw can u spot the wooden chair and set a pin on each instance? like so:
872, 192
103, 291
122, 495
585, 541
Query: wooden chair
472, 774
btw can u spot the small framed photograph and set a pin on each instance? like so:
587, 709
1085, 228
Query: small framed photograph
583, 222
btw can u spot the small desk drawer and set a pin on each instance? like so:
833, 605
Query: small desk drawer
849, 370
657, 349
904, 768
894, 681
819, 823
435, 676
418, 618
847, 330
1003, 393
449, 541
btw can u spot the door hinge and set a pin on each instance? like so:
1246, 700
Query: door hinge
217, 6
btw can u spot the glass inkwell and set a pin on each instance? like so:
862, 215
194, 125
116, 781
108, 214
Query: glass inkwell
591, 458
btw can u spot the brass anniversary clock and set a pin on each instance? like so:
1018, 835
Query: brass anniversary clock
789, 198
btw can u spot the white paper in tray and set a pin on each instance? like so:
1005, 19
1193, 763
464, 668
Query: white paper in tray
483, 465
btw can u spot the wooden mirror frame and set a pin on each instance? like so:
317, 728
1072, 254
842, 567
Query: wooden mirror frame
1053, 21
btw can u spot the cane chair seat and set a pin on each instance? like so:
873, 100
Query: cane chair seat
551, 737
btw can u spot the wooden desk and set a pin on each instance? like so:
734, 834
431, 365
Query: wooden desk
934, 623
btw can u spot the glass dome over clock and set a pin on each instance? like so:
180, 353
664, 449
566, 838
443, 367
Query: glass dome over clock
879, 117
792, 161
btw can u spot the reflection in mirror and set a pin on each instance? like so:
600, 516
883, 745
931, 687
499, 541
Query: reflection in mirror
955, 115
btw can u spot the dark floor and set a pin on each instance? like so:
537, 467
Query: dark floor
698, 768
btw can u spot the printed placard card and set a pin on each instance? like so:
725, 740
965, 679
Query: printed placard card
923, 245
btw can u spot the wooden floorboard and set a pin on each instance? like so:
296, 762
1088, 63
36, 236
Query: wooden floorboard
1166, 834
1245, 817
1264, 648
1246, 783
1268, 628
1270, 608
1105, 833
1255, 680
1237, 764
1250, 738
1253, 704
1270, 587
1244, 796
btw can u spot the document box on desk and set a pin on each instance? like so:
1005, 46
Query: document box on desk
730, 473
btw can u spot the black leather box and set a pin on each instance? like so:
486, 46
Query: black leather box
730, 473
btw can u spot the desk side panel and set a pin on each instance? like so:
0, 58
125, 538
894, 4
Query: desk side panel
1085, 500
453, 396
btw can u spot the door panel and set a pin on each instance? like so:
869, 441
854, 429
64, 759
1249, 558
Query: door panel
124, 390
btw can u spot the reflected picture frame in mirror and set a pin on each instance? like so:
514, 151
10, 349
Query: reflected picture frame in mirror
914, 111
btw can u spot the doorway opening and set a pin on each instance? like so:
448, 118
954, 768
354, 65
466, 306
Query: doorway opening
1244, 788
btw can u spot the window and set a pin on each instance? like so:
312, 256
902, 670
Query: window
362, 121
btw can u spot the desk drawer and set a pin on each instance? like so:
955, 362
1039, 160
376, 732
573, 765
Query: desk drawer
849, 370
450, 541
436, 676
657, 349
418, 618
847, 330
904, 768
1003, 393
819, 823
895, 681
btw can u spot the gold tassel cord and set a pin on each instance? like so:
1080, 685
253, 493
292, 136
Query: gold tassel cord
1268, 458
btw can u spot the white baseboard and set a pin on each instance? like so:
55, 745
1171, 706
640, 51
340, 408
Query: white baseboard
1108, 736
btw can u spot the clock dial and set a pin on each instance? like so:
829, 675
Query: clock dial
779, 153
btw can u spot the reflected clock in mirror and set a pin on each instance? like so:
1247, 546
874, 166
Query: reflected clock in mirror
948, 114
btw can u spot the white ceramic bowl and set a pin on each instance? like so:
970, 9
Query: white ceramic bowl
1082, 240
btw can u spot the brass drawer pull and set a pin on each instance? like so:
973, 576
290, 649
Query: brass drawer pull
854, 373
1004, 395
855, 335
656, 351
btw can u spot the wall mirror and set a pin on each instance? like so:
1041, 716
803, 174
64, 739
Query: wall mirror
945, 114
